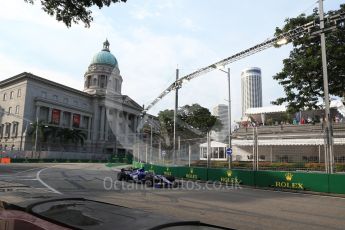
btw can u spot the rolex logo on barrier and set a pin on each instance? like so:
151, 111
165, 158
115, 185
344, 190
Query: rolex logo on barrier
288, 176
152, 169
191, 174
167, 172
228, 179
288, 183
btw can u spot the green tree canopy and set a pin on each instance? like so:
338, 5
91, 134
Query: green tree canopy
193, 121
301, 76
73, 11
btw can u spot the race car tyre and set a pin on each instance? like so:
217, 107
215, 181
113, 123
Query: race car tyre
149, 183
149, 180
170, 178
120, 176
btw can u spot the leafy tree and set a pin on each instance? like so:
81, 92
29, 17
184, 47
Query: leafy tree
301, 76
73, 11
200, 118
193, 121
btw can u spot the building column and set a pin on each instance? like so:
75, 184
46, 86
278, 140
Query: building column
106, 124
50, 115
101, 134
37, 118
126, 122
95, 120
135, 123
81, 121
89, 129
61, 118
71, 121
117, 122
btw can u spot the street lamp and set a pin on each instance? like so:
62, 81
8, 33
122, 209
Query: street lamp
282, 41
229, 109
329, 158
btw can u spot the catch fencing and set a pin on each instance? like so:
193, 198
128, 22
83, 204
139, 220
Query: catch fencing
273, 148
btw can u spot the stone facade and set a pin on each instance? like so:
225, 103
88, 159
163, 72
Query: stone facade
108, 118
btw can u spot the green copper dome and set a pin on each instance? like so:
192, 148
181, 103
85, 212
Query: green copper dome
104, 57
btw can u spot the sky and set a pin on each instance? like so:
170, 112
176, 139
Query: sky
150, 39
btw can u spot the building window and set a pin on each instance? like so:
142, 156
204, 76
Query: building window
4, 97
17, 109
19, 93
116, 85
1, 131
10, 110
65, 100
11, 94
55, 97
8, 130
88, 81
44, 94
103, 81
75, 102
15, 129
66, 119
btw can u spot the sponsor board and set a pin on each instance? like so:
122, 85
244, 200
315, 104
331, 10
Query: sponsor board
228, 178
289, 183
167, 172
191, 174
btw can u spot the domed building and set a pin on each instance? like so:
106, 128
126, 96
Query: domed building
107, 118
103, 75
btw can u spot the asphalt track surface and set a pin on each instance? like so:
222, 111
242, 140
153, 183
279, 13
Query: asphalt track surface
232, 206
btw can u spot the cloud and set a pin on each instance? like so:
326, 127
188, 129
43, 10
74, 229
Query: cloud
19, 11
189, 24
10, 67
143, 14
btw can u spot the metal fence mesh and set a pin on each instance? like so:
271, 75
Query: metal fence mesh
288, 148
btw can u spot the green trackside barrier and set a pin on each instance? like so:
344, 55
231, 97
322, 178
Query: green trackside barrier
137, 164
337, 183
193, 173
317, 182
159, 169
231, 176
165, 170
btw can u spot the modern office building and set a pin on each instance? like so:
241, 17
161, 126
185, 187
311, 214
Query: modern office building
107, 118
251, 88
221, 111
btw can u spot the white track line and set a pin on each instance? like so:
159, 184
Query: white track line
44, 184
26, 171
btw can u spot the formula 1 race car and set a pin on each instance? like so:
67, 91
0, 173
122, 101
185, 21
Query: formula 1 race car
132, 174
139, 175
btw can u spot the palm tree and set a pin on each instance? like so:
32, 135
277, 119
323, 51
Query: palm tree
74, 135
78, 136
38, 127
64, 134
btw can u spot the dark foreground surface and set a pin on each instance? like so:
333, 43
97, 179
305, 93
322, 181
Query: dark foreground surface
232, 206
